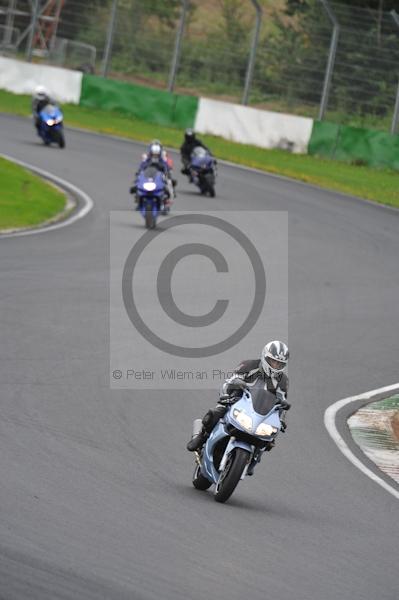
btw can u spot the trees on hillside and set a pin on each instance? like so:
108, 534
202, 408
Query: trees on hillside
365, 73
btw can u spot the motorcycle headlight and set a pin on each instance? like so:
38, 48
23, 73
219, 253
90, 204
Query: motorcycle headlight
50, 122
265, 429
243, 419
149, 186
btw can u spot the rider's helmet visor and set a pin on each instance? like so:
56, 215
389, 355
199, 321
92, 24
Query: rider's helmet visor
275, 364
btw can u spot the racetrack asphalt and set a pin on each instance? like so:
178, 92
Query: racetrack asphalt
96, 498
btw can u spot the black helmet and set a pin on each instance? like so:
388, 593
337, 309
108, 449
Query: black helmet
189, 135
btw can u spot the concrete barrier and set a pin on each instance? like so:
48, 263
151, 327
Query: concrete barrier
22, 78
252, 126
242, 124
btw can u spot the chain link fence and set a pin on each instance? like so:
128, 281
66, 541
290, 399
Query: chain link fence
321, 59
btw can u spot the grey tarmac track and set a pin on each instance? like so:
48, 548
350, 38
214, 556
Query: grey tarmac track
95, 496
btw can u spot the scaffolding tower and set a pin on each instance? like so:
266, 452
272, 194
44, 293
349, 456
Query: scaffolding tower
42, 16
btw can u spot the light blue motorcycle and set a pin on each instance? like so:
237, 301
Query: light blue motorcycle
249, 427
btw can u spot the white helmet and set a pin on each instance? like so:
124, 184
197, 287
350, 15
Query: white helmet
155, 150
41, 91
274, 358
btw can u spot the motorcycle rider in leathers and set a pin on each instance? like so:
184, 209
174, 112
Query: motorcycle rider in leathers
156, 156
271, 369
40, 99
189, 144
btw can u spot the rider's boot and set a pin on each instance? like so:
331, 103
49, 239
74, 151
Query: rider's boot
270, 446
197, 441
208, 423
252, 465
256, 460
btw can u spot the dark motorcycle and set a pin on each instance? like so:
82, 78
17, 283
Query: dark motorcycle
202, 169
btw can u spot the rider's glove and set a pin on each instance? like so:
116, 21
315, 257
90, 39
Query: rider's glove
226, 399
285, 405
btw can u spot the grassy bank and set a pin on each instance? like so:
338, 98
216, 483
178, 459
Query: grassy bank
372, 184
25, 199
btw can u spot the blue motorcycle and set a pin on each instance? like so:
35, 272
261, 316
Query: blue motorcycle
151, 190
51, 127
238, 440
202, 170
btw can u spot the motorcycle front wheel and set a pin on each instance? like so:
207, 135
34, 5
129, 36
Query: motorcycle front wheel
231, 474
199, 481
61, 140
149, 218
58, 138
210, 183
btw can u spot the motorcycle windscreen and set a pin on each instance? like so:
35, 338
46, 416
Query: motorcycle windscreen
50, 111
150, 172
198, 152
263, 401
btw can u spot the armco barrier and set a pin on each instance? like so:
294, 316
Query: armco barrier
22, 78
354, 144
154, 106
252, 126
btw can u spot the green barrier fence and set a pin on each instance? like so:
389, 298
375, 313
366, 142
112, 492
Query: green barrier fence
354, 144
154, 106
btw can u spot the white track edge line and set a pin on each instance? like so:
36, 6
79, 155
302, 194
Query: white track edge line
330, 424
66, 185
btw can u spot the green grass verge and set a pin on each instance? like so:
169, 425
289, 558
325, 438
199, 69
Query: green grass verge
25, 199
373, 184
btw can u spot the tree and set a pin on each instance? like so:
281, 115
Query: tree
364, 78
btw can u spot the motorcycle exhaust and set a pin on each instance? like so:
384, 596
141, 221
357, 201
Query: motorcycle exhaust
197, 426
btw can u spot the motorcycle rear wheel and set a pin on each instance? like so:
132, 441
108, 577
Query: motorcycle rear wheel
199, 481
231, 474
